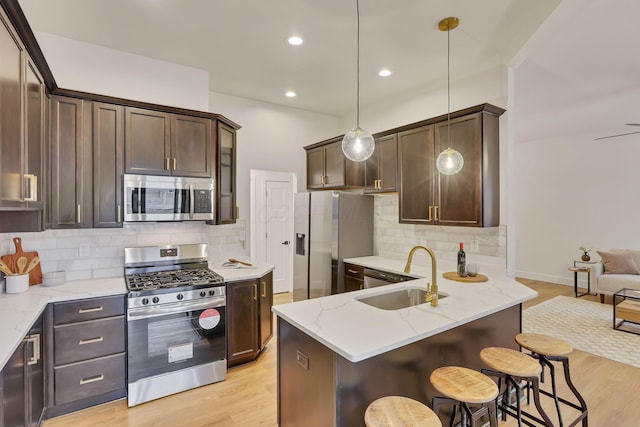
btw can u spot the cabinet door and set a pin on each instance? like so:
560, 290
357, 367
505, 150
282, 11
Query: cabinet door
35, 372
315, 168
14, 390
71, 163
266, 302
226, 174
334, 164
381, 167
416, 170
459, 196
191, 146
242, 315
10, 118
108, 141
147, 142
34, 138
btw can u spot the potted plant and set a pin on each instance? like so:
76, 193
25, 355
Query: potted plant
585, 253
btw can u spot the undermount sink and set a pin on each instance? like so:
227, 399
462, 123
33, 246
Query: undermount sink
395, 300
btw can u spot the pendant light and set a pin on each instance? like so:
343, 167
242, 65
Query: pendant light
358, 145
450, 161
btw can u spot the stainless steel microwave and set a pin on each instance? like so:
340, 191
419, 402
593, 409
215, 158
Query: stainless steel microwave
168, 198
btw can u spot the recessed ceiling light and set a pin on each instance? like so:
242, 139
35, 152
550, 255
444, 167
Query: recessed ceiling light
384, 73
295, 40
290, 94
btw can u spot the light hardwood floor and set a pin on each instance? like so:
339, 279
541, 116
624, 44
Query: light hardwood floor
248, 396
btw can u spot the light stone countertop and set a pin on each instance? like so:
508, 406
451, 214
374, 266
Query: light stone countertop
235, 274
18, 312
358, 331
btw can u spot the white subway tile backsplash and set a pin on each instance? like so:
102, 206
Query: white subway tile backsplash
59, 249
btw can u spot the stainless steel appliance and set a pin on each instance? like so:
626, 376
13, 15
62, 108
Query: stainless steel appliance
374, 278
167, 198
175, 321
329, 227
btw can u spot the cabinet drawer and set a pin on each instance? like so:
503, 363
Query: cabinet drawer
88, 309
81, 341
355, 271
90, 378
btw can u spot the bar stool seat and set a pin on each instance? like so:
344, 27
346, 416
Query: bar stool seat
466, 387
514, 367
399, 411
550, 349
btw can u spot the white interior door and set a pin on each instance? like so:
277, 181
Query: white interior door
272, 224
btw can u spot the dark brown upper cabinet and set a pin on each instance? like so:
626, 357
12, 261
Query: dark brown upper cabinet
71, 163
468, 198
108, 145
380, 171
328, 168
159, 143
226, 186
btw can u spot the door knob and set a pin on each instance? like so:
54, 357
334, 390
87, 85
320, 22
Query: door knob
286, 242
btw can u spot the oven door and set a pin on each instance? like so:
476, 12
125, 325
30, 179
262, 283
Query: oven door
166, 339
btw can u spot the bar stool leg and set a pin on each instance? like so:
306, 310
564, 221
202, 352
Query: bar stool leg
536, 399
574, 390
552, 374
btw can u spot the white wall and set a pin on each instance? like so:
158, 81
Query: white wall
571, 191
90, 68
271, 138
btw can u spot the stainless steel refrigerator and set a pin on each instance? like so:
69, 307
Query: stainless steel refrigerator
329, 226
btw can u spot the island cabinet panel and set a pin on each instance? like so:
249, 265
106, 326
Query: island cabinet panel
310, 372
328, 168
108, 144
86, 362
381, 168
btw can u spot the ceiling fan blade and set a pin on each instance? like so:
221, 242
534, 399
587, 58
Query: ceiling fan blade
615, 136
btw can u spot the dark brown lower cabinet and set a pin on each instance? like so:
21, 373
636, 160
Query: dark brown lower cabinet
353, 277
86, 357
22, 382
249, 318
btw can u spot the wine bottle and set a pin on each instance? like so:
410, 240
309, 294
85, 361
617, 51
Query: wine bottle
462, 262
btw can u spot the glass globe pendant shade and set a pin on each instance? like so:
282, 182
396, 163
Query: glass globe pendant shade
449, 162
358, 145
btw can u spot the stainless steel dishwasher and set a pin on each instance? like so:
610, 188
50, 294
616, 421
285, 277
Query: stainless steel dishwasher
374, 278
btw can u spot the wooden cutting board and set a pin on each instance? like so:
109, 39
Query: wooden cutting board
452, 275
35, 276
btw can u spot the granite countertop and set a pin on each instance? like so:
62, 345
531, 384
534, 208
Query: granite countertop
18, 312
358, 331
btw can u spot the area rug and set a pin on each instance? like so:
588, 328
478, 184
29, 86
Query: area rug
587, 325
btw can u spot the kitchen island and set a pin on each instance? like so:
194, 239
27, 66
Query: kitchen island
337, 354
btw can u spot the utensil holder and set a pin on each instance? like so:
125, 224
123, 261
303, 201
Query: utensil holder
16, 283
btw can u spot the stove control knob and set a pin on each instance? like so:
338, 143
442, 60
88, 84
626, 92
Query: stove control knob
156, 300
180, 297
203, 294
145, 301
212, 292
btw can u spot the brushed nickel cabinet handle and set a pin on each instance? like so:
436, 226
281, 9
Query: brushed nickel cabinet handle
90, 310
255, 292
264, 290
352, 271
91, 341
436, 213
175, 163
166, 164
91, 379
79, 212
430, 213
35, 357
119, 213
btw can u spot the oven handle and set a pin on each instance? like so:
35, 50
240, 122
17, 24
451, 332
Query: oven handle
173, 308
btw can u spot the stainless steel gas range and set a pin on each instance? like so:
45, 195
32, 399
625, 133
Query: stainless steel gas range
175, 321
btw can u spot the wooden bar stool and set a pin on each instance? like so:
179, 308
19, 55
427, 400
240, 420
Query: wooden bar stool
468, 388
514, 367
549, 349
398, 411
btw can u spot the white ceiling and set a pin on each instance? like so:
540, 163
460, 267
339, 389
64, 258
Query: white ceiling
242, 44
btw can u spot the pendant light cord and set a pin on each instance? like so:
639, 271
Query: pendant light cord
448, 84
358, 65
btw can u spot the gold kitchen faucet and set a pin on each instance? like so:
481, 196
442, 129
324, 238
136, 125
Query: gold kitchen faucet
432, 288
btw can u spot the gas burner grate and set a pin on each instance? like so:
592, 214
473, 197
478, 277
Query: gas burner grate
172, 279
